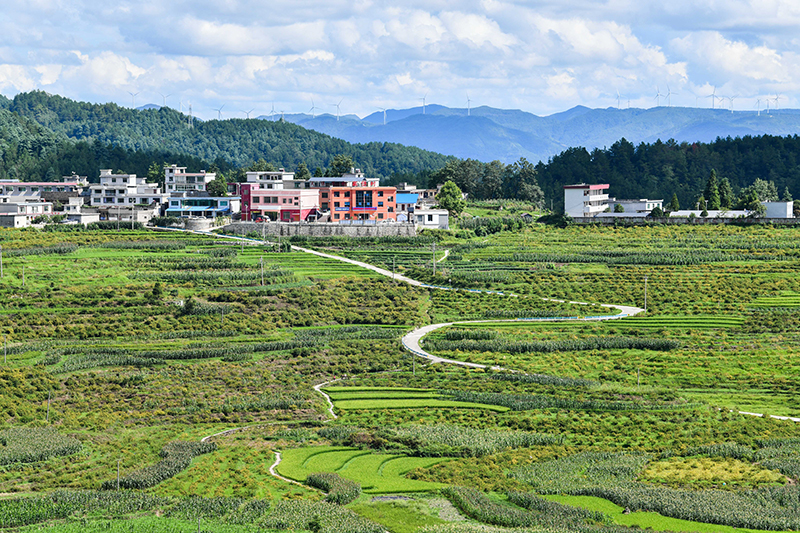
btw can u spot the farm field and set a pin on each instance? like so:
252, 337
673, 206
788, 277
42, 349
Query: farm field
126, 348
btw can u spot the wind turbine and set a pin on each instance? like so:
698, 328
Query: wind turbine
468, 104
337, 108
777, 97
282, 116
384, 114
272, 111
191, 118
219, 112
669, 94
313, 108
732, 98
658, 97
247, 112
767, 106
423, 103
713, 97
758, 106
618, 97
133, 98
164, 96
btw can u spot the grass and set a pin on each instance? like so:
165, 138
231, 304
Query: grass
377, 473
398, 516
424, 403
644, 520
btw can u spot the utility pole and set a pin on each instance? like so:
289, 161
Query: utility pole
119, 209
393, 258
117, 474
645, 295
434, 258
262, 270
1, 261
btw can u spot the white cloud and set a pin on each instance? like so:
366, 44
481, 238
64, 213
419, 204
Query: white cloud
540, 55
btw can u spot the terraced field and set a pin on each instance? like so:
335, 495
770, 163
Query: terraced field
354, 398
377, 473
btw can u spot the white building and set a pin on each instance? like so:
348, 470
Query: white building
584, 200
124, 189
779, 209
178, 180
32, 190
20, 214
642, 205
354, 178
431, 218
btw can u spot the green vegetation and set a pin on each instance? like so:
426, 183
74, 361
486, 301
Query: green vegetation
153, 340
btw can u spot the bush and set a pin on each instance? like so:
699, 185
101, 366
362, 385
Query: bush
340, 490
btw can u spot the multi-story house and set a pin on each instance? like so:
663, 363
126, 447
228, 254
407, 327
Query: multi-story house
124, 190
176, 179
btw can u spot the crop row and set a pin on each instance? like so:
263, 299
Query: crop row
632, 258
156, 245
768, 508
340, 490
457, 441
526, 402
188, 263
60, 249
177, 456
28, 445
573, 345
60, 504
274, 275
545, 379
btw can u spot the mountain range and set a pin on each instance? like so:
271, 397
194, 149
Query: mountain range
488, 133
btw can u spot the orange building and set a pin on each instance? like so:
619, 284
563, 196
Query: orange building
355, 197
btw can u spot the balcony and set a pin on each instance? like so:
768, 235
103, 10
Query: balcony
595, 208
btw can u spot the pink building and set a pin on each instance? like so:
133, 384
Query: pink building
285, 205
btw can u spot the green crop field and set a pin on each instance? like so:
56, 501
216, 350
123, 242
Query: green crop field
123, 349
375, 473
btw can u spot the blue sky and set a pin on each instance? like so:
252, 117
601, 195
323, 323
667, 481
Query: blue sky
540, 56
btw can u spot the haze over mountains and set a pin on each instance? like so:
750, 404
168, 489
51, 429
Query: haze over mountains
488, 133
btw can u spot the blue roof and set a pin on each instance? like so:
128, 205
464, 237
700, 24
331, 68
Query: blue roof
406, 198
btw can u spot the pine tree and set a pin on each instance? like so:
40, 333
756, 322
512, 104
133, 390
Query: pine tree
674, 205
787, 195
726, 197
711, 194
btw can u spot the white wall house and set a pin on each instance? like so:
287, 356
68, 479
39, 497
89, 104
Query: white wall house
431, 218
584, 200
33, 190
18, 214
176, 179
124, 189
779, 209
642, 205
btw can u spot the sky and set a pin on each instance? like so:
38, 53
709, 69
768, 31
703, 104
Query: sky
541, 56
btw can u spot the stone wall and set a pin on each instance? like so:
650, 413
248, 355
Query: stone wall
318, 229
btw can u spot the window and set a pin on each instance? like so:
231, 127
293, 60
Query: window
336, 194
324, 206
324, 195
284, 200
391, 209
363, 199
336, 216
336, 204
347, 194
430, 218
347, 204
34, 189
380, 215
380, 204
391, 198
347, 216
380, 194
256, 200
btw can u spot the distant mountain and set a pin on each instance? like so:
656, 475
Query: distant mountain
488, 133
225, 143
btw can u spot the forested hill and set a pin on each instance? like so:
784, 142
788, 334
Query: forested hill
30, 152
235, 142
659, 169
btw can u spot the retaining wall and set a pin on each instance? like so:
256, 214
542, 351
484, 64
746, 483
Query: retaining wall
317, 229
638, 221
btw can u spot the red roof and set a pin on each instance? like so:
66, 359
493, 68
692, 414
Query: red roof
585, 186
